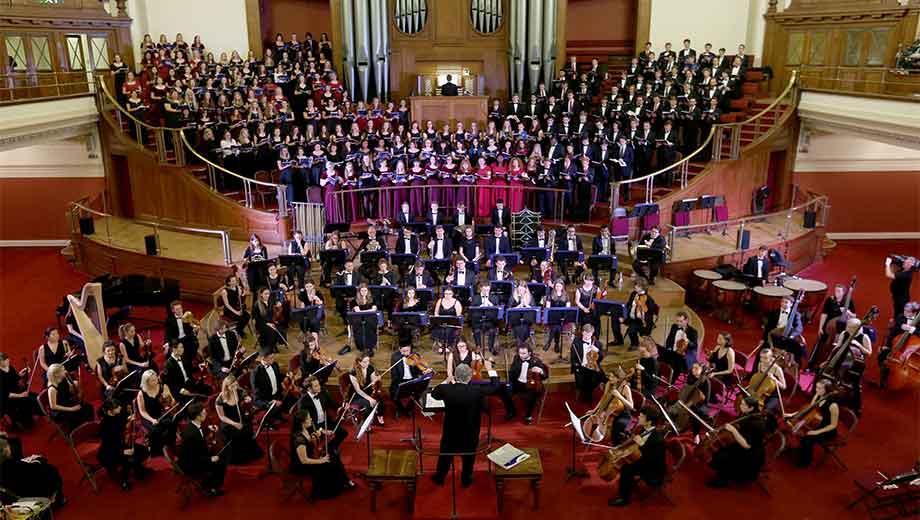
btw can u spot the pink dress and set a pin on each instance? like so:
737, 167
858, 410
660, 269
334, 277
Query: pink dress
448, 197
500, 181
484, 200
418, 202
465, 194
516, 195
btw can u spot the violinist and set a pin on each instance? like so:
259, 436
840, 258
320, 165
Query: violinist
648, 360
194, 459
232, 406
65, 400
222, 347
742, 460
156, 406
130, 349
558, 297
320, 405
825, 402
462, 355
722, 358
312, 359
233, 297
310, 456
681, 344
585, 361
364, 383
263, 311
527, 374
486, 328
900, 325
118, 452
177, 375
179, 329
313, 322
652, 464
16, 402
278, 284
110, 368
639, 319
53, 350
266, 385
406, 369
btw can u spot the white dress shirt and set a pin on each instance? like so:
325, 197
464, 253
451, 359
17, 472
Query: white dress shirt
525, 368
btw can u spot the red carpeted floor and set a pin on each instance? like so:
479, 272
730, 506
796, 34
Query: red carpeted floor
888, 438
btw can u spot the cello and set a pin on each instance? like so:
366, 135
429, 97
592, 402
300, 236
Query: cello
597, 424
834, 327
629, 452
689, 395
782, 334
760, 387
903, 362
833, 367
807, 419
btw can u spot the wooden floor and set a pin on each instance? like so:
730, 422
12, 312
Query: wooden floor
721, 240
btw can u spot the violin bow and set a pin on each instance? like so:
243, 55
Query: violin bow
665, 413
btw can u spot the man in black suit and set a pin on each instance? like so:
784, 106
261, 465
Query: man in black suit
652, 464
222, 347
586, 377
498, 244
440, 247
405, 217
449, 89
177, 329
402, 371
177, 375
603, 245
321, 407
516, 110
435, 216
758, 266
461, 218
420, 279
523, 364
780, 319
484, 298
351, 278
666, 144
648, 269
500, 214
463, 407
685, 53
372, 236
194, 458
266, 381
680, 330
638, 322
461, 276
408, 243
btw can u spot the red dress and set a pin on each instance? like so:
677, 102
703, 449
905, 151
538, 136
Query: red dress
516, 194
484, 200
500, 181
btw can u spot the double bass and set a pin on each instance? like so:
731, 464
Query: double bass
833, 367
904, 360
834, 327
784, 332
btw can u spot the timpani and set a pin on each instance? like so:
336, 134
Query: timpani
815, 290
767, 298
729, 295
701, 286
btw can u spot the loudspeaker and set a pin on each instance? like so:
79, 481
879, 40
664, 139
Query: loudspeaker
811, 219
87, 226
150, 243
744, 239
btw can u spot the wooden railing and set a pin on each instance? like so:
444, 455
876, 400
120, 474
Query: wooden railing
19, 87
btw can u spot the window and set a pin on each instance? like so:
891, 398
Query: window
853, 48
818, 48
99, 51
794, 50
75, 53
16, 53
41, 55
878, 47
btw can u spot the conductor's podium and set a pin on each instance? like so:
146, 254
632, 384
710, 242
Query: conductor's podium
450, 110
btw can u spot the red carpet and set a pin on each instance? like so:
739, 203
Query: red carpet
887, 438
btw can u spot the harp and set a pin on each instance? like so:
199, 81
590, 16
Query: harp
89, 314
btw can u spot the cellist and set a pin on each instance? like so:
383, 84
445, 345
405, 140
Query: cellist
585, 361
851, 370
652, 465
522, 366
826, 404
742, 460
765, 362
901, 325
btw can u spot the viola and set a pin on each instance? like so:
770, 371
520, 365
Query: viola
592, 360
683, 344
903, 362
291, 384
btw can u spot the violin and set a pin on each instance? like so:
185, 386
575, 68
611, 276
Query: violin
321, 357
318, 439
291, 384
238, 357
641, 305
592, 361
903, 362
415, 360
683, 343
629, 452
118, 372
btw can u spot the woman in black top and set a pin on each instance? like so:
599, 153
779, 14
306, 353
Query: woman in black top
29, 477
310, 456
446, 306
234, 304
153, 401
53, 350
66, 408
365, 340
118, 452
15, 400
741, 461
722, 359
557, 298
826, 402
236, 423
130, 347
313, 320
255, 252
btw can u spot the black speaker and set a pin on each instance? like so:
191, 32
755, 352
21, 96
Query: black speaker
744, 239
150, 242
87, 226
811, 219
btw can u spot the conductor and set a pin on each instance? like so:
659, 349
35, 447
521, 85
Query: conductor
449, 89
463, 404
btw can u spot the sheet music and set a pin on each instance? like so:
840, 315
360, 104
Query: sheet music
508, 456
432, 403
492, 373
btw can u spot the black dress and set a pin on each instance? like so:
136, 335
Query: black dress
68, 420
329, 479
164, 432
133, 350
236, 301
244, 448
21, 411
446, 335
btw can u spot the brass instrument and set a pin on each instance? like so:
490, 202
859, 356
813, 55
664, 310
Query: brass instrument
189, 318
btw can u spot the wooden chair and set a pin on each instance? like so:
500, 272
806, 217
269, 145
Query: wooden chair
84, 442
846, 423
279, 459
186, 486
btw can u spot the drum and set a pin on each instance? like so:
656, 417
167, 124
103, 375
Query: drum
815, 290
767, 298
701, 286
729, 295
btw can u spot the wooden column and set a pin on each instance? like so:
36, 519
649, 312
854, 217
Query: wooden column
254, 26
643, 24
562, 9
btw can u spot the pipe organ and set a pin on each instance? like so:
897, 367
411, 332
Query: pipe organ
532, 43
366, 46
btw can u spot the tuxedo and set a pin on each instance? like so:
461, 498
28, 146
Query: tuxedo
219, 358
504, 246
195, 459
405, 219
504, 220
757, 267
447, 248
517, 372
466, 219
411, 248
356, 279
382, 246
466, 280
679, 363
189, 339
263, 391
565, 246
413, 281
434, 218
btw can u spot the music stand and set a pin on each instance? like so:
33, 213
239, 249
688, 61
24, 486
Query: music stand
522, 316
383, 295
501, 289
425, 296
438, 268
511, 259
566, 259
484, 229
361, 323
369, 259
333, 257
537, 290
343, 292
648, 254
412, 389
454, 323
480, 316
533, 253
264, 426
577, 434
403, 262
419, 228
260, 268
560, 316
463, 293
292, 261
606, 263
414, 320
365, 429
611, 308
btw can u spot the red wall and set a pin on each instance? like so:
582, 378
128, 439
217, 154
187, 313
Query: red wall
300, 16
34, 209
601, 20
866, 202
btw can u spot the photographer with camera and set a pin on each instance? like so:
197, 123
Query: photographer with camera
901, 271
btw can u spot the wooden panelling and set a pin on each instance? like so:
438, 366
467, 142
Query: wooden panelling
196, 281
443, 110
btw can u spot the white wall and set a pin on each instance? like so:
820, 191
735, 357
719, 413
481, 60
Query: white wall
221, 23
839, 152
75, 157
724, 23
